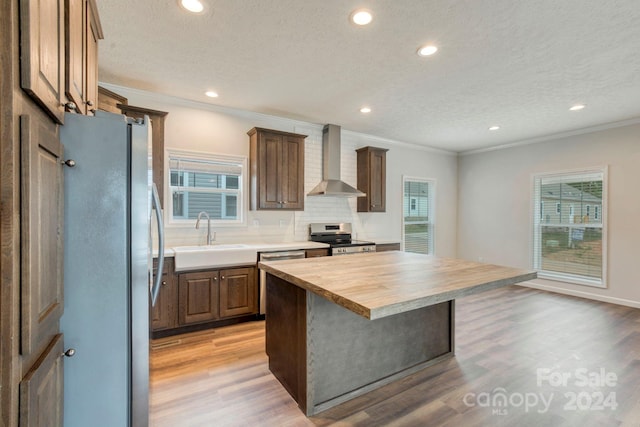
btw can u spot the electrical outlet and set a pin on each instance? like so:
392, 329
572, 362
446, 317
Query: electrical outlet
480, 259
256, 223
282, 223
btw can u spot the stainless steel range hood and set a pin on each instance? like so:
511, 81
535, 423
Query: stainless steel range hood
331, 185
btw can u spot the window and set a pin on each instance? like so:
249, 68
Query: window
417, 226
570, 245
203, 182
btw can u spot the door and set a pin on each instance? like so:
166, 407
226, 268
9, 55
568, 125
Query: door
41, 301
42, 59
377, 161
163, 312
198, 297
76, 12
238, 292
270, 156
292, 172
41, 389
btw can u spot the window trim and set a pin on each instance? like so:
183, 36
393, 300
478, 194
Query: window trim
535, 223
243, 199
432, 220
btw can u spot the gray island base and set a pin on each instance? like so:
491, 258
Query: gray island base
339, 327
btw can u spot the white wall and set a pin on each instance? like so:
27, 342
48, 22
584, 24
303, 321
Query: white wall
205, 127
494, 207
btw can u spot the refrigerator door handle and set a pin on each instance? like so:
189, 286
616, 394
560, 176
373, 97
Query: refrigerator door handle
155, 290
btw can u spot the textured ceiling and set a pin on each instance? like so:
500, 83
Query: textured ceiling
517, 64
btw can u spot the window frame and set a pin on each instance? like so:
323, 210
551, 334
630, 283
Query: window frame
242, 192
536, 223
432, 210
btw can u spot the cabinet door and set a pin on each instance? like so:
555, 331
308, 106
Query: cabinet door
42, 58
157, 140
312, 253
292, 173
378, 177
42, 205
270, 155
76, 53
372, 177
92, 36
163, 314
198, 297
41, 390
238, 292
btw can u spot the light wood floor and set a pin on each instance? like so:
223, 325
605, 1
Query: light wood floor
220, 377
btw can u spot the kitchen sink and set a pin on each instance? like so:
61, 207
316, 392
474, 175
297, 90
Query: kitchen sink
213, 256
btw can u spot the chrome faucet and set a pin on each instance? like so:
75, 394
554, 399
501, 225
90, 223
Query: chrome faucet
210, 237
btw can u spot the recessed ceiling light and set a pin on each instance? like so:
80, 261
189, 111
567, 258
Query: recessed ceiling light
494, 128
365, 110
211, 94
427, 50
194, 6
361, 17
576, 107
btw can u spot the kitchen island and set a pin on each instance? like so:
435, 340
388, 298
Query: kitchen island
338, 327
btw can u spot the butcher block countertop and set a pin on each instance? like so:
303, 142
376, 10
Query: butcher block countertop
382, 284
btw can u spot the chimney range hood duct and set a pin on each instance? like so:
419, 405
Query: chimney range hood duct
331, 185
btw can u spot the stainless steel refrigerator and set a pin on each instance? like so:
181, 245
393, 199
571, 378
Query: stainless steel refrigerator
109, 198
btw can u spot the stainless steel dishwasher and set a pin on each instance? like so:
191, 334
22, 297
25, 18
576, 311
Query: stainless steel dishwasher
273, 256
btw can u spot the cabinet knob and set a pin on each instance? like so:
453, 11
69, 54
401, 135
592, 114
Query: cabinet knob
164, 283
69, 353
222, 277
70, 105
90, 103
215, 278
69, 162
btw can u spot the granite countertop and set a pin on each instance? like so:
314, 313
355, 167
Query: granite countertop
377, 285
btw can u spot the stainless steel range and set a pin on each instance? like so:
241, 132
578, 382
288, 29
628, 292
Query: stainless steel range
338, 236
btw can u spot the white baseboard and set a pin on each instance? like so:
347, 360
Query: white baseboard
587, 295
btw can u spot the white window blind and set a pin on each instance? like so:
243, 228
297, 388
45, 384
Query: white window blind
417, 224
210, 183
569, 233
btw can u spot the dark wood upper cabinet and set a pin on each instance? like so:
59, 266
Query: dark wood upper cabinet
76, 53
109, 101
83, 30
42, 58
157, 138
59, 54
277, 169
372, 177
93, 34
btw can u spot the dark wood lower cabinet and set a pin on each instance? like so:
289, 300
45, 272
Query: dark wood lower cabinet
312, 253
164, 313
198, 299
203, 299
238, 292
383, 247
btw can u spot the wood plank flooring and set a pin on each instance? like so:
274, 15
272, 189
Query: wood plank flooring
512, 342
